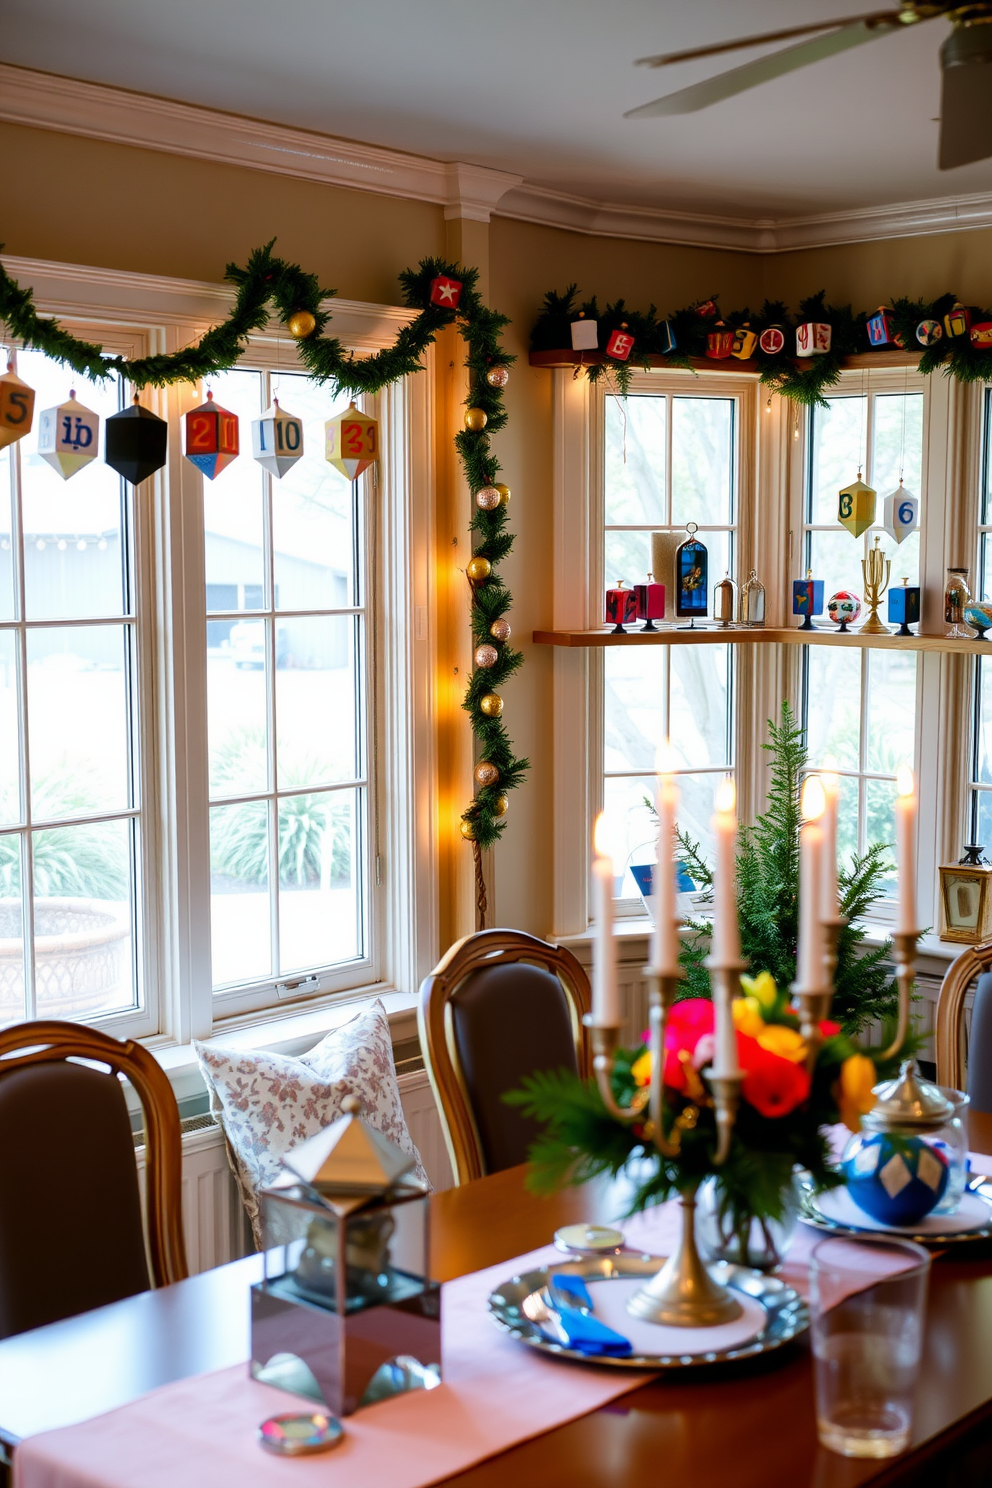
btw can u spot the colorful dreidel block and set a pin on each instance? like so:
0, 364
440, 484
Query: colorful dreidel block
856, 507
585, 334
351, 442
621, 607
904, 606
68, 436
772, 340
620, 345
813, 338
16, 408
880, 327
277, 440
446, 292
745, 340
981, 334
211, 437
720, 343
666, 336
707, 309
807, 599
135, 442
928, 332
843, 608
900, 513
957, 321
650, 602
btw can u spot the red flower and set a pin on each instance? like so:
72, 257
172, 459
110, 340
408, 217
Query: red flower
829, 1029
687, 1023
772, 1085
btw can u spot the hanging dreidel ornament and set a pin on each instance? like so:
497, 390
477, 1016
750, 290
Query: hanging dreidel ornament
277, 440
620, 344
135, 442
445, 292
900, 513
68, 436
211, 437
585, 333
16, 407
351, 442
856, 507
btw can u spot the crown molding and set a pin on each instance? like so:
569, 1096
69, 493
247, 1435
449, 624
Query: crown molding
68, 105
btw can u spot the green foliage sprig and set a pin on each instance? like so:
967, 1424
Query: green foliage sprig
267, 280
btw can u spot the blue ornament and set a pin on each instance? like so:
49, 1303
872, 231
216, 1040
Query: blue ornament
897, 1179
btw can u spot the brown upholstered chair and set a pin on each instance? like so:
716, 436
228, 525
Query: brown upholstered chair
71, 1235
499, 1006
949, 1019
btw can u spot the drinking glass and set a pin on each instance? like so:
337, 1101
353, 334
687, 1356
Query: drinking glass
868, 1300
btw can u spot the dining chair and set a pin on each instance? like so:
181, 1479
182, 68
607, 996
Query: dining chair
976, 961
499, 1006
71, 1233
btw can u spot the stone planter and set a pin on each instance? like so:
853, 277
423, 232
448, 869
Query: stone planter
82, 957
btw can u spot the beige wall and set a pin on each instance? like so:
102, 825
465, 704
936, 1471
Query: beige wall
869, 274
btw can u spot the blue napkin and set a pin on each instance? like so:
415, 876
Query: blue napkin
586, 1334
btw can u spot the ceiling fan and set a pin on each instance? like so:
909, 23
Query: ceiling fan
965, 65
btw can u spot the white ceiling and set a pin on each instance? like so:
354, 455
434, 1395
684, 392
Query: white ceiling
536, 87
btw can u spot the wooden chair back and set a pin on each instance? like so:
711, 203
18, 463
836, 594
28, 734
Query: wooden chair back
474, 980
59, 1114
949, 1022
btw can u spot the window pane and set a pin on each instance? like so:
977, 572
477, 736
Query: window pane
630, 827
702, 460
700, 704
635, 706
82, 920
319, 920
313, 538
835, 557
635, 461
233, 507
847, 819
891, 710
833, 704
983, 818
77, 720
13, 1008
317, 707
241, 942
880, 825
10, 802
72, 528
628, 557
983, 704
6, 538
237, 711
898, 442
838, 450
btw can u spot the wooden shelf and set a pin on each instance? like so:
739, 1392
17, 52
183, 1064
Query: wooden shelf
794, 636
568, 358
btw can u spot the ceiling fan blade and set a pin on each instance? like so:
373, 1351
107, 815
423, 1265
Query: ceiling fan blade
739, 79
966, 96
665, 59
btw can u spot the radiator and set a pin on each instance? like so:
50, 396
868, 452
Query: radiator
216, 1227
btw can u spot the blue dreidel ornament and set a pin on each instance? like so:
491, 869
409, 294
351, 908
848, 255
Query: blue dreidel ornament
904, 606
807, 599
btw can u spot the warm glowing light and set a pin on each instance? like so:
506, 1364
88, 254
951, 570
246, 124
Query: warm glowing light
599, 834
726, 797
829, 775
664, 760
768, 406
905, 784
814, 800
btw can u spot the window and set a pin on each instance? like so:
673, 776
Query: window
861, 705
71, 809
669, 458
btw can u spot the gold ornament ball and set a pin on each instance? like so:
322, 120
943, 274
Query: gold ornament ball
487, 499
504, 493
478, 569
500, 630
485, 774
486, 656
467, 830
491, 704
498, 377
301, 324
475, 419
500, 805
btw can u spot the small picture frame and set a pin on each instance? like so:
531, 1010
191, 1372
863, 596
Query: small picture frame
966, 903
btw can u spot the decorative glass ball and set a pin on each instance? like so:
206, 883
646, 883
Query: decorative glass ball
504, 492
894, 1177
498, 376
485, 774
491, 704
500, 630
929, 331
486, 656
475, 419
301, 324
500, 805
467, 830
478, 569
488, 498
843, 607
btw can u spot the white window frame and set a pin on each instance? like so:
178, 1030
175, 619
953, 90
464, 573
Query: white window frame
158, 314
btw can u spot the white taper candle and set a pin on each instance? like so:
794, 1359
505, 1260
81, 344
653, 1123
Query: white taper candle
605, 993
726, 944
810, 975
907, 806
665, 943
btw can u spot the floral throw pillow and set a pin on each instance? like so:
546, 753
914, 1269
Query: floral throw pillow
267, 1103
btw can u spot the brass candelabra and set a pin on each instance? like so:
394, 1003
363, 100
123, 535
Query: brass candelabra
875, 570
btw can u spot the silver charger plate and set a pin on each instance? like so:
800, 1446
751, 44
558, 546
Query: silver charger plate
787, 1313
811, 1214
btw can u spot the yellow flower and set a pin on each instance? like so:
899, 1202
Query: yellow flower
641, 1068
787, 1043
853, 1090
761, 987
747, 1016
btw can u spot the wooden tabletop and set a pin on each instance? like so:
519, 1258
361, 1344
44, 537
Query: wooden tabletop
749, 1426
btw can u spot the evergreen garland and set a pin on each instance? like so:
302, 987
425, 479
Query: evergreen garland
266, 279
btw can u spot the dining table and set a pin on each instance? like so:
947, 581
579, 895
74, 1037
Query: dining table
749, 1424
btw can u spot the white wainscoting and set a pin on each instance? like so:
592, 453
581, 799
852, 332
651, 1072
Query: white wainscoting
216, 1227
